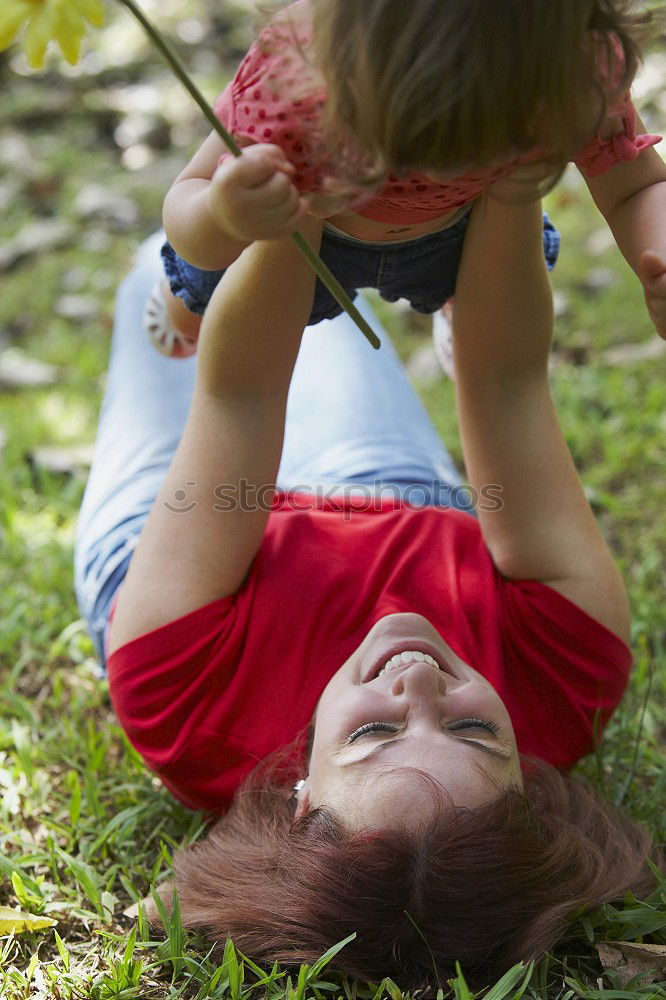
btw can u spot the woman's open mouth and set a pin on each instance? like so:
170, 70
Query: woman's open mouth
399, 656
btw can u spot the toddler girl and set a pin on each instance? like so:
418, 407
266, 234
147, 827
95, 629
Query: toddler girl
389, 118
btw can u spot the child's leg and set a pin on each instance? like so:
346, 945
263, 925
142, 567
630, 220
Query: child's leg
187, 323
173, 311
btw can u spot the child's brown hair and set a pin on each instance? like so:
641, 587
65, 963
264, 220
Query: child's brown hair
449, 85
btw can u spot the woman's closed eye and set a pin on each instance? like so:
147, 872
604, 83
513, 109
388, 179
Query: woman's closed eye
459, 724
371, 727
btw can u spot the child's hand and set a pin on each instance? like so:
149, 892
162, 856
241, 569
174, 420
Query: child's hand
652, 271
251, 197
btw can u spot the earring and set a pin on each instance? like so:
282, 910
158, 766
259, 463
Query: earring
298, 786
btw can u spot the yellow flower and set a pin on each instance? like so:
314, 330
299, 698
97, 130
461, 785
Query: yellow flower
61, 21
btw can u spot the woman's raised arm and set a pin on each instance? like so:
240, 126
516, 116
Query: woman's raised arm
230, 450
503, 321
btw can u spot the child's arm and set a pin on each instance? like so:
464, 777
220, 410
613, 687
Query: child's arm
632, 198
503, 320
211, 213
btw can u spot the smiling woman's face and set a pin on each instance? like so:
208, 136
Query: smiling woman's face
405, 701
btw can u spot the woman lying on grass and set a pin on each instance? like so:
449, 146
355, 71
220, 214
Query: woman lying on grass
452, 667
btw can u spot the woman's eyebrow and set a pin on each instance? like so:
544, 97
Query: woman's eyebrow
503, 754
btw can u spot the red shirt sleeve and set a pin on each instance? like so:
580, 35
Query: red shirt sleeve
160, 683
565, 673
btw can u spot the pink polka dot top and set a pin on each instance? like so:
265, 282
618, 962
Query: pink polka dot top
269, 100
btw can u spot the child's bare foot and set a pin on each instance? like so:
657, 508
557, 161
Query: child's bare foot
172, 328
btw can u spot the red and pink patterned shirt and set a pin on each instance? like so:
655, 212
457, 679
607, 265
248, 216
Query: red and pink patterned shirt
259, 106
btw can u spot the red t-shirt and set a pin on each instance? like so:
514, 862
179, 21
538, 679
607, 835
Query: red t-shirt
206, 697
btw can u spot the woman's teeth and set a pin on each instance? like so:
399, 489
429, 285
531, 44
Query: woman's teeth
408, 657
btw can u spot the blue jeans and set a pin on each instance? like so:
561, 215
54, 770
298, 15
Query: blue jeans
422, 270
354, 423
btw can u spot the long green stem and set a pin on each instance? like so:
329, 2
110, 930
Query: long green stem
167, 52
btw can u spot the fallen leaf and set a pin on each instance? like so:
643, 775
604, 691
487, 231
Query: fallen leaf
36, 237
19, 371
598, 280
97, 201
630, 959
62, 461
423, 366
629, 354
600, 241
77, 308
19, 922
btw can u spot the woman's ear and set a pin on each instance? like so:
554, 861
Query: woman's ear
302, 799
166, 892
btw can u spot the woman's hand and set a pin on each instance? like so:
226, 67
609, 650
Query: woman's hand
252, 197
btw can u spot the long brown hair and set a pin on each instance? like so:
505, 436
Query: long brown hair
456, 84
486, 887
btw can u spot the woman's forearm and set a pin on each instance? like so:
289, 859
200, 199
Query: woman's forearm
191, 229
229, 454
253, 324
542, 527
503, 303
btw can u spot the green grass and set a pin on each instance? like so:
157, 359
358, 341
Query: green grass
85, 829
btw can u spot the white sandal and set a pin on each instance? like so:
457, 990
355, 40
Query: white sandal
442, 337
162, 334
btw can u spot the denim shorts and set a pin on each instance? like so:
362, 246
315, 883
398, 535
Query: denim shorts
422, 270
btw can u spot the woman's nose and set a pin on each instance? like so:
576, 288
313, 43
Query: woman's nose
419, 678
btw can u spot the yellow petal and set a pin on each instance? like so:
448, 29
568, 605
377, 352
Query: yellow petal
68, 34
35, 42
11, 21
19, 922
61, 21
71, 48
92, 10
